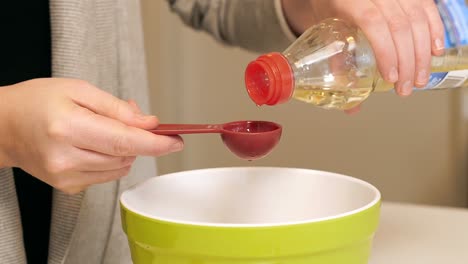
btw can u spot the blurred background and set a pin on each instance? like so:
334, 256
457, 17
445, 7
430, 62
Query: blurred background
412, 149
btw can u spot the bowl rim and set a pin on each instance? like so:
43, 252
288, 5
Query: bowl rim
376, 200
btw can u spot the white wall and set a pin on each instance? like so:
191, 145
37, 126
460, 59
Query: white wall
411, 149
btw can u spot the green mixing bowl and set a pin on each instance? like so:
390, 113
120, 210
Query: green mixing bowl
251, 215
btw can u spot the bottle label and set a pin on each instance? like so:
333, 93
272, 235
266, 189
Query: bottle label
446, 79
454, 15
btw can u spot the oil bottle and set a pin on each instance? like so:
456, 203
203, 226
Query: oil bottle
332, 66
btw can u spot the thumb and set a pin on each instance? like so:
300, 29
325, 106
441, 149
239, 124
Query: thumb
105, 104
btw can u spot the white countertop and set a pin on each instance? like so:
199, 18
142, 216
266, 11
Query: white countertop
419, 234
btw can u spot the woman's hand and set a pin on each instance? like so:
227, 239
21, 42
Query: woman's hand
70, 134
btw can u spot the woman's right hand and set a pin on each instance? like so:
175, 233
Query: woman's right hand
71, 135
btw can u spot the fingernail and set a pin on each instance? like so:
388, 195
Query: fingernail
145, 117
177, 147
438, 44
422, 77
393, 75
398, 90
406, 89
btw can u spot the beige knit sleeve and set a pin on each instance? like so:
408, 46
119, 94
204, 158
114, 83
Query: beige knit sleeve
256, 25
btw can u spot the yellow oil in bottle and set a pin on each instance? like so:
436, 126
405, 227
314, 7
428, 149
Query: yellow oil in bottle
343, 93
330, 98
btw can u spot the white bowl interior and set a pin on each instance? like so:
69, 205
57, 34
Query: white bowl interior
249, 196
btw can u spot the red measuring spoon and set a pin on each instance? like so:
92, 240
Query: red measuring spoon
247, 139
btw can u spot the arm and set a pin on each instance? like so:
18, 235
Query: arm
403, 34
256, 25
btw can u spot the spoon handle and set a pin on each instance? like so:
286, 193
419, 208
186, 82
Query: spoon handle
175, 129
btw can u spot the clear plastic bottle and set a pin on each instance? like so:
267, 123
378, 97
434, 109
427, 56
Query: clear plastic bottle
332, 66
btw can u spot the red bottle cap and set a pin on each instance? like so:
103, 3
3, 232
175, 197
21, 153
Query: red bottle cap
269, 79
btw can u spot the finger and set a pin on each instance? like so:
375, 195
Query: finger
421, 39
96, 177
436, 27
93, 161
105, 104
353, 110
402, 36
108, 136
374, 26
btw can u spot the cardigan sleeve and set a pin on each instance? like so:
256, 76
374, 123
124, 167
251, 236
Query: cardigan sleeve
255, 25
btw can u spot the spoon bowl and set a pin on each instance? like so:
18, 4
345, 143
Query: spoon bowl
251, 139
248, 140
